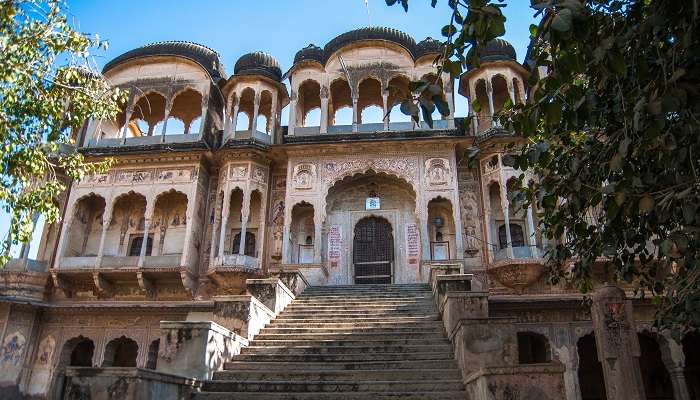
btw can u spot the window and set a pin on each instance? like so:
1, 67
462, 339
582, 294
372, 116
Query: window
249, 244
135, 246
532, 348
516, 236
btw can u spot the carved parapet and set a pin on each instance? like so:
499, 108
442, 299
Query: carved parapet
196, 349
517, 274
294, 280
271, 292
243, 314
442, 268
23, 284
540, 381
231, 280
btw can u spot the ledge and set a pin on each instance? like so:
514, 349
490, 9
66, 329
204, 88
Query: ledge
374, 136
142, 373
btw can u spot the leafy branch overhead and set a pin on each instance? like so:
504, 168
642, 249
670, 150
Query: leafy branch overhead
48, 93
611, 131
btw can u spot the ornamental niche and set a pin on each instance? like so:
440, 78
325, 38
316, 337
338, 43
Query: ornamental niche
437, 171
404, 167
304, 175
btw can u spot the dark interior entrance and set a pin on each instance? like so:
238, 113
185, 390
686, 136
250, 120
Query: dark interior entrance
373, 250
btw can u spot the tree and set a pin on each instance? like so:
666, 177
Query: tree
48, 91
612, 133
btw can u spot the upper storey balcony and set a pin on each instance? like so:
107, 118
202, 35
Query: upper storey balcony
173, 98
354, 84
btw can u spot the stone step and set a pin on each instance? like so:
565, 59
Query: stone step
345, 357
335, 349
441, 395
357, 336
291, 319
342, 365
368, 296
348, 342
282, 386
351, 324
354, 313
379, 287
362, 301
436, 329
340, 375
357, 307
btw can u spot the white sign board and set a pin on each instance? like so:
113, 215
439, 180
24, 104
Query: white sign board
412, 244
372, 203
335, 245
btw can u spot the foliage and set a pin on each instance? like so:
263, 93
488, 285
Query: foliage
47, 92
612, 133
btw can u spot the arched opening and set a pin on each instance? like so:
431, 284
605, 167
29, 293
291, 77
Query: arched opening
399, 90
312, 118
533, 348
303, 233
590, 372
263, 123
309, 98
483, 112
121, 352
441, 229
234, 223
246, 107
249, 244
433, 79
86, 227
517, 238
341, 96
125, 233
152, 358
169, 224
78, 352
370, 94
187, 108
148, 112
373, 250
657, 381
691, 344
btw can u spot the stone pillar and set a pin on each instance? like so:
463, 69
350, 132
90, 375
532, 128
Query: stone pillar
448, 86
245, 212
286, 253
189, 226
567, 355
65, 231
292, 113
385, 108
617, 343
532, 237
273, 117
489, 93
355, 115
150, 206
318, 225
511, 91
470, 99
234, 119
205, 107
227, 121
163, 132
127, 117
324, 110
106, 220
24, 253
425, 237
225, 208
256, 110
505, 206
674, 359
459, 229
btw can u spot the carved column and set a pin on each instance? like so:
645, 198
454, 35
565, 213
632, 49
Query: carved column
24, 253
318, 229
567, 355
224, 221
505, 206
511, 91
286, 253
532, 238
168, 106
189, 225
148, 217
245, 213
292, 113
65, 231
234, 119
227, 121
256, 110
448, 86
422, 215
324, 110
205, 107
127, 117
355, 115
106, 220
459, 229
674, 359
385, 103
489, 93
617, 343
273, 116
470, 100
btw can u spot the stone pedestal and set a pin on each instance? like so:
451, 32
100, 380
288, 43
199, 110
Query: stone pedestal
617, 343
294, 280
271, 292
196, 349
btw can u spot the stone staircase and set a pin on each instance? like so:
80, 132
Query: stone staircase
347, 342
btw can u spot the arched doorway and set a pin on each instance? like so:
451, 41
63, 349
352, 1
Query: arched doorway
590, 372
373, 251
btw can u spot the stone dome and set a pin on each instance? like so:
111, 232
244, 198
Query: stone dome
258, 63
371, 33
310, 53
498, 50
428, 46
200, 54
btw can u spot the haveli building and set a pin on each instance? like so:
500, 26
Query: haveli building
216, 217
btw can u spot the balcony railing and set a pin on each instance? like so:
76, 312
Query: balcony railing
249, 134
370, 128
144, 140
519, 253
26, 264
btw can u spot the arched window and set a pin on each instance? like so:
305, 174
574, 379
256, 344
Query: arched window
516, 236
249, 244
137, 242
533, 348
81, 356
121, 352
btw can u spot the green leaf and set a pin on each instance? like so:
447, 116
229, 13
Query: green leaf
562, 20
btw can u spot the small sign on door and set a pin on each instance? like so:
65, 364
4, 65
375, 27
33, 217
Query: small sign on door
372, 203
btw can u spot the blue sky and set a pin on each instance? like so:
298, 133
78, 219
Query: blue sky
278, 27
